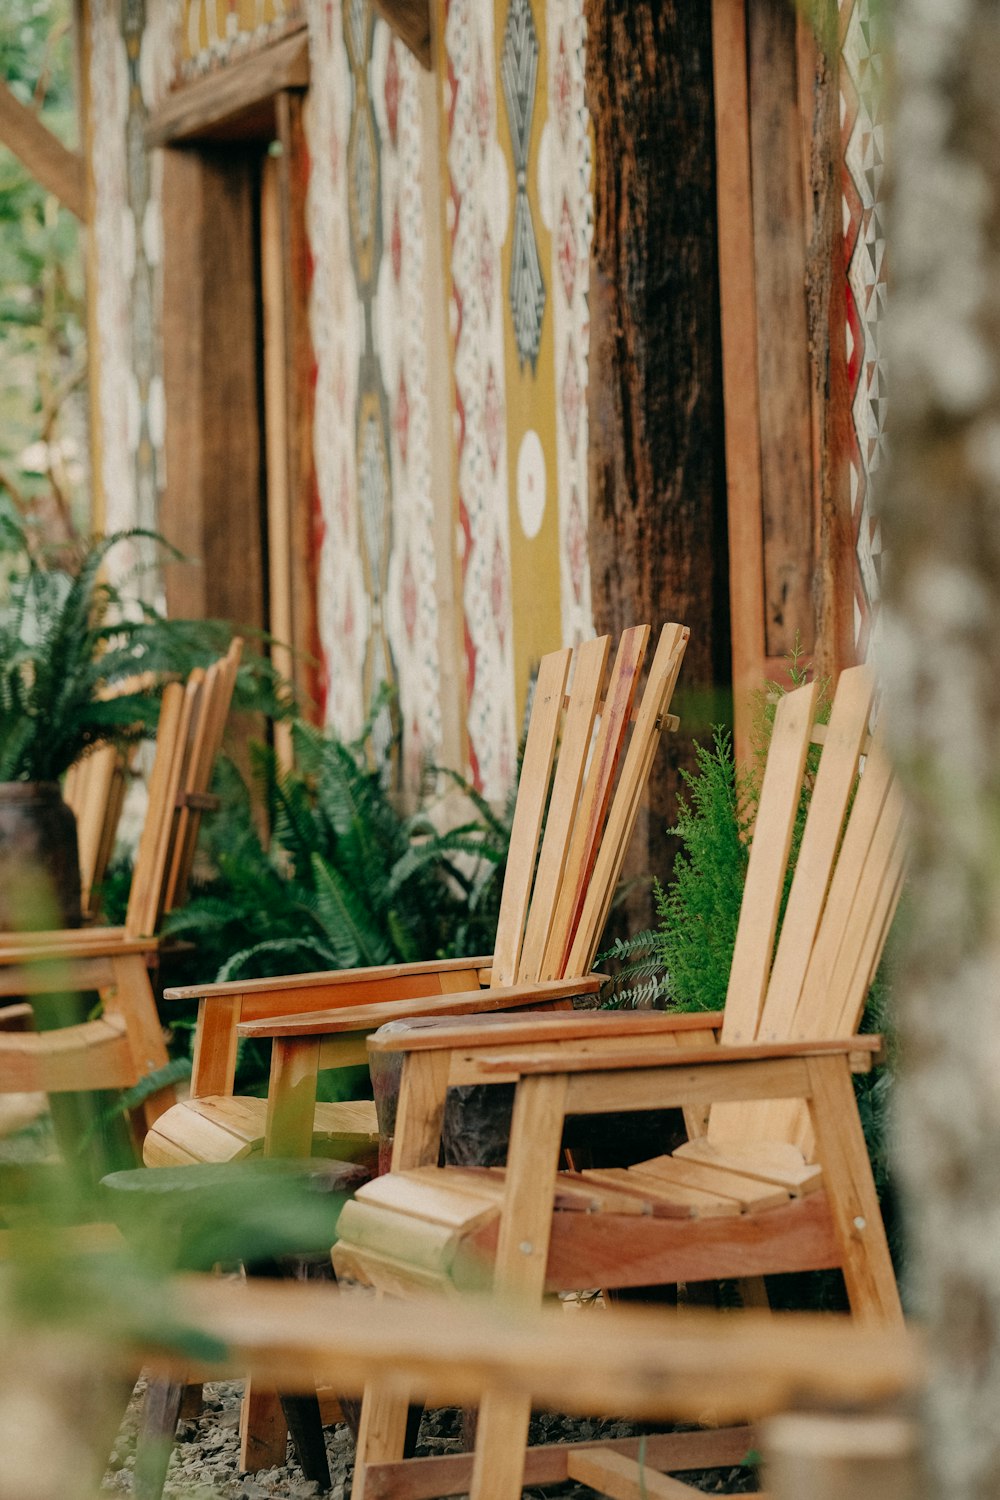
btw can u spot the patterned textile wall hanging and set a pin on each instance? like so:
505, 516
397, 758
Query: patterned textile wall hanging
376, 585
399, 311
517, 217
125, 63
210, 33
372, 462
864, 232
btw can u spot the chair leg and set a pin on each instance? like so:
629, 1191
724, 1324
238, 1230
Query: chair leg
192, 1403
522, 1255
160, 1412
306, 1427
263, 1433
857, 1218
383, 1433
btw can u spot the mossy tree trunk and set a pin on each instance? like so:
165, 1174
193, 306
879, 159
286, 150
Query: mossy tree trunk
942, 537
657, 526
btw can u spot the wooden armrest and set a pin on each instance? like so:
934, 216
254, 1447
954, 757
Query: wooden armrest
51, 954
323, 977
429, 1034
93, 1055
60, 937
371, 1017
862, 1053
87, 947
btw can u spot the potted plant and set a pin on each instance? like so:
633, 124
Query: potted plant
79, 664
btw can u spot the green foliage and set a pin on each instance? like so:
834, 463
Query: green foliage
345, 879
43, 422
683, 964
700, 908
70, 641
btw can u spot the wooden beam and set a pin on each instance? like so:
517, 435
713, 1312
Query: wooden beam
783, 374
59, 170
214, 107
738, 297
411, 21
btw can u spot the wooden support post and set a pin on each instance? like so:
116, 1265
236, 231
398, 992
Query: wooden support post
841, 1458
291, 1097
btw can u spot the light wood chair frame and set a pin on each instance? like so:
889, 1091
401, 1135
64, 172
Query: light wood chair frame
115, 961
785, 1048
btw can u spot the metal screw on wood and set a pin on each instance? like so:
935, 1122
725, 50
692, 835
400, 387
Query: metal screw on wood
526, 1247
860, 1223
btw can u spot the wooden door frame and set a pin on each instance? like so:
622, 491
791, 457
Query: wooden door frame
201, 125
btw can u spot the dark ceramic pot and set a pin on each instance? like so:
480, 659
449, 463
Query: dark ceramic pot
39, 862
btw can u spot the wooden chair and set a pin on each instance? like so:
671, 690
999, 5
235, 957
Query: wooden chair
114, 960
662, 1366
544, 945
775, 1177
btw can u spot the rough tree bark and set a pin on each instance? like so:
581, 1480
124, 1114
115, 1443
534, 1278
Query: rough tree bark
942, 537
657, 528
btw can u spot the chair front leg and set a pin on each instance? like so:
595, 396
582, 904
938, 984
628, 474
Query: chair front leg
850, 1188
419, 1117
522, 1255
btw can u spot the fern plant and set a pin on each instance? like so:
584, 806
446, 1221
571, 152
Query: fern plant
344, 880
683, 963
73, 650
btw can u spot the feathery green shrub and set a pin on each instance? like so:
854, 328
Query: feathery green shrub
81, 661
344, 880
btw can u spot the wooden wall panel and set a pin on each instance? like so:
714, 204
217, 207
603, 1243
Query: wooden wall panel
782, 297
782, 338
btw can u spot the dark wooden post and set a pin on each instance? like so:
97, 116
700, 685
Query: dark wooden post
658, 540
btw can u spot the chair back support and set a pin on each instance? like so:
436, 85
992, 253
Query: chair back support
842, 897
95, 791
192, 719
93, 1055
556, 897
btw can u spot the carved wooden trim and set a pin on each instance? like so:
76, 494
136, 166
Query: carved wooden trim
198, 109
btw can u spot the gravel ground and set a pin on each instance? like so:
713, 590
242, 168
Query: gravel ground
204, 1462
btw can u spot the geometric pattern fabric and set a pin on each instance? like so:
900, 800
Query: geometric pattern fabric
863, 188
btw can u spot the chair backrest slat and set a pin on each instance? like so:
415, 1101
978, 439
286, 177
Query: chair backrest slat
220, 680
192, 718
532, 797
91, 793
619, 828
835, 778
832, 1006
595, 798
772, 841
559, 883
138, 921
577, 738
821, 1011
843, 896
